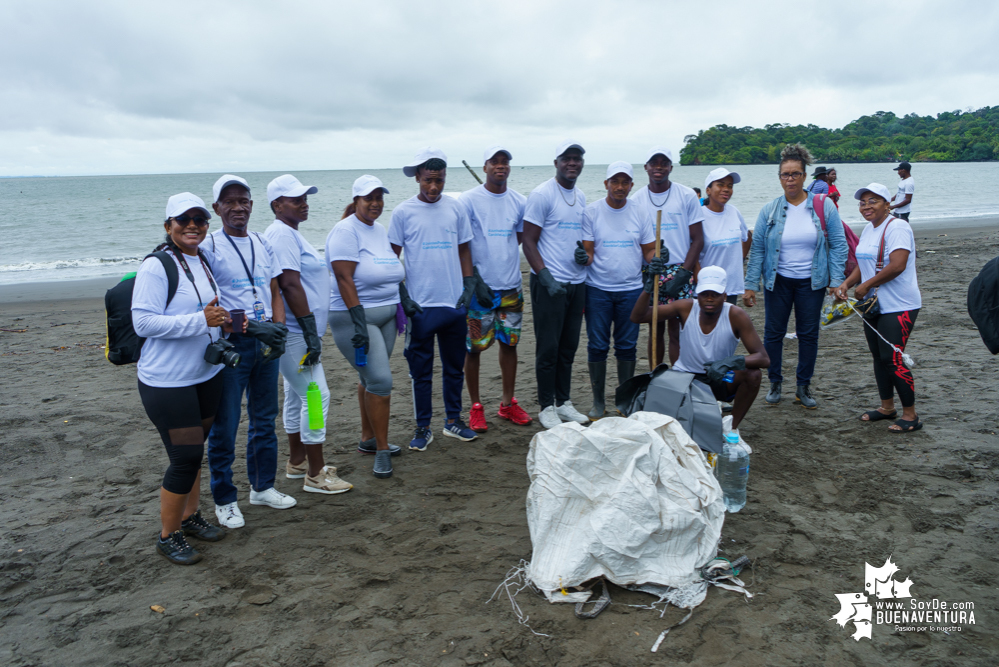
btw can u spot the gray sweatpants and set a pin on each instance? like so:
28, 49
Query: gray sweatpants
376, 376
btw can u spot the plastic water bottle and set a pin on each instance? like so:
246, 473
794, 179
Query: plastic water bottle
730, 377
360, 358
314, 399
733, 472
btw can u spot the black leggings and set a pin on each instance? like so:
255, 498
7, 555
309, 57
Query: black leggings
181, 407
889, 371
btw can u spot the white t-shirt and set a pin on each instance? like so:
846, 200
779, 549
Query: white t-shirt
176, 335
378, 272
681, 208
723, 236
901, 292
559, 213
495, 221
617, 235
797, 244
906, 186
291, 251
234, 284
429, 235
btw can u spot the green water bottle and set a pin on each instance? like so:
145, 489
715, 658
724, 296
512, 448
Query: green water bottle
315, 401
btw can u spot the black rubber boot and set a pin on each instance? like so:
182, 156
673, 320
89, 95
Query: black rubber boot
625, 371
598, 378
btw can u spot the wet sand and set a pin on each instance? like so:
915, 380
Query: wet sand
398, 571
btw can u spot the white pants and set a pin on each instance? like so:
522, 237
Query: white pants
296, 405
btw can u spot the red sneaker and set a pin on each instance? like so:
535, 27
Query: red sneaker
514, 413
477, 418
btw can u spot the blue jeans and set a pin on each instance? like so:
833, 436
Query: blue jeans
796, 293
258, 378
450, 327
604, 309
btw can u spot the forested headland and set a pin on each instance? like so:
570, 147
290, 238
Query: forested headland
952, 136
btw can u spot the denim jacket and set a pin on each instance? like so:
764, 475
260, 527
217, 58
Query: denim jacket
829, 261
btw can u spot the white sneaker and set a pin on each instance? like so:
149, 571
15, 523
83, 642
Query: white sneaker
549, 417
570, 414
229, 515
272, 498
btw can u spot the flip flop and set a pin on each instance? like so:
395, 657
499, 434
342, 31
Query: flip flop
877, 415
907, 426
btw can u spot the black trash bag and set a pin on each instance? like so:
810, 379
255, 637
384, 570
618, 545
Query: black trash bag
983, 304
678, 395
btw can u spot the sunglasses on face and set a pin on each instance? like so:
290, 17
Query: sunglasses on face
184, 220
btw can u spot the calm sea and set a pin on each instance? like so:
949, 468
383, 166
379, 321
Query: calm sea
72, 228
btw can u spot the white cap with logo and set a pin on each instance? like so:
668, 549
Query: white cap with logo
365, 185
288, 186
226, 181
424, 155
620, 167
493, 150
712, 279
876, 188
566, 145
720, 173
659, 150
185, 201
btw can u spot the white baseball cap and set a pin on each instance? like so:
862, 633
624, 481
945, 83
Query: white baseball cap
185, 201
365, 185
493, 150
720, 173
620, 167
876, 188
226, 181
712, 279
288, 186
566, 145
422, 156
659, 150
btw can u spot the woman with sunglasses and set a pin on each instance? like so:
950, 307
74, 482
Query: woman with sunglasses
886, 259
363, 305
179, 389
797, 257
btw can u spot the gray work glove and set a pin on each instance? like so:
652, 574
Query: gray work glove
580, 255
548, 281
483, 293
272, 334
673, 288
716, 370
313, 343
409, 306
360, 338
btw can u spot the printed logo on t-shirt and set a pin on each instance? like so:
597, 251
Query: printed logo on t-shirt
726, 241
618, 244
570, 224
437, 245
389, 261
244, 282
502, 233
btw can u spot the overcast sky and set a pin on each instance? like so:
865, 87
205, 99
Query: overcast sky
138, 87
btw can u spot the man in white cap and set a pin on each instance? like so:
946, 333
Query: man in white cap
246, 273
553, 229
618, 239
496, 215
711, 329
682, 234
434, 233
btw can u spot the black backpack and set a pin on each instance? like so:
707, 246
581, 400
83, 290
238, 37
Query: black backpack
983, 304
123, 344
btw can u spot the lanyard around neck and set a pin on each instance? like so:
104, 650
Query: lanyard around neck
190, 276
253, 260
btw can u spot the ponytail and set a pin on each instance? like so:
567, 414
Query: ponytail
350, 210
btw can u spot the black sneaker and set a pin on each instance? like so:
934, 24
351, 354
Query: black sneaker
804, 397
196, 526
176, 549
773, 396
383, 464
370, 447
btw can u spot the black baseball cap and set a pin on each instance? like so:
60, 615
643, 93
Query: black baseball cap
903, 165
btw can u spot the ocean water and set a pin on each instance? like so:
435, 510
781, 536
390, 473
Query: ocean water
71, 228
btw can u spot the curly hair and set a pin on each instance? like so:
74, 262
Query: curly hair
795, 153
433, 164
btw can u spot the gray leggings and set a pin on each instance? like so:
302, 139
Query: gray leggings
376, 376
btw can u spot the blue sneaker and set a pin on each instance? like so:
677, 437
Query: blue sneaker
457, 429
421, 438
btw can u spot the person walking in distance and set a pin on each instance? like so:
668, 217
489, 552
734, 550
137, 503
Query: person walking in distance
618, 238
496, 215
246, 272
834, 192
553, 230
901, 203
430, 232
682, 231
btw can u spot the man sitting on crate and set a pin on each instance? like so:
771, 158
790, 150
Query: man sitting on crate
710, 330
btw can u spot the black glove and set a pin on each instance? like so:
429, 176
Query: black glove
580, 255
716, 370
548, 281
272, 334
409, 306
483, 293
673, 288
313, 342
469, 285
360, 338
